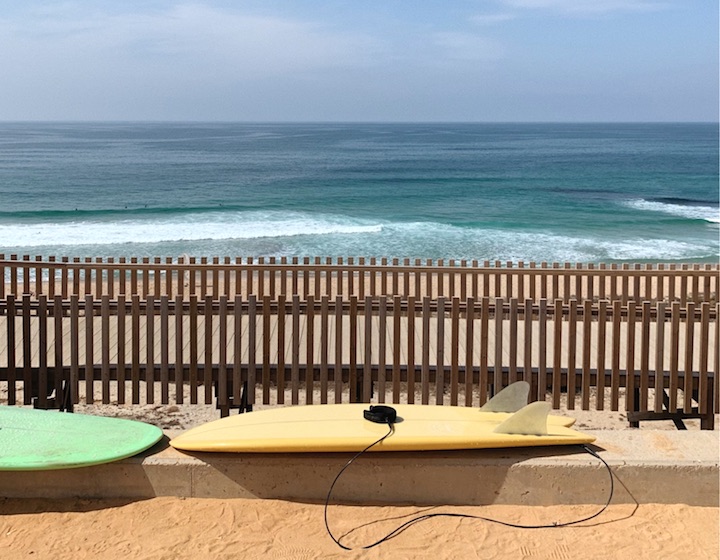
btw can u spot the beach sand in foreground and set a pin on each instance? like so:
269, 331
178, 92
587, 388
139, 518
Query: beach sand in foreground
175, 528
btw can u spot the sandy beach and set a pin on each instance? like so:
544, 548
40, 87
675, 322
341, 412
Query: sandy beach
171, 528
195, 528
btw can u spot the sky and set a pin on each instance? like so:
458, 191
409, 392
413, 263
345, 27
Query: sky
359, 60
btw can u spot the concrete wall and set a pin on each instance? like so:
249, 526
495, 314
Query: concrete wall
649, 466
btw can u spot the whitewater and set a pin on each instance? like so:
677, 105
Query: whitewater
513, 192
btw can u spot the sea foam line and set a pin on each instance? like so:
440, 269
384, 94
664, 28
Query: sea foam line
708, 213
220, 226
298, 234
444, 241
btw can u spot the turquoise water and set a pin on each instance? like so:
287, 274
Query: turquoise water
530, 192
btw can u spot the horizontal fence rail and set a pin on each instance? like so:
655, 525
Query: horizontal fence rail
592, 355
360, 277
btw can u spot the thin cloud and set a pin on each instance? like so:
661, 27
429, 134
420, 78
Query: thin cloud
195, 32
181, 60
491, 19
589, 7
216, 60
467, 46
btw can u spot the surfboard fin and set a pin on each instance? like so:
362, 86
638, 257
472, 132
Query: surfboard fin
530, 420
511, 399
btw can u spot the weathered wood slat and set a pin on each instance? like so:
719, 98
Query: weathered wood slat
477, 346
689, 345
616, 353
347, 277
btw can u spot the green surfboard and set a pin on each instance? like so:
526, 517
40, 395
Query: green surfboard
45, 440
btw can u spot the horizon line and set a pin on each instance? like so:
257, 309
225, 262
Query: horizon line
336, 122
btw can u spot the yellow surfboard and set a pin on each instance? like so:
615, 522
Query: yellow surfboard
343, 427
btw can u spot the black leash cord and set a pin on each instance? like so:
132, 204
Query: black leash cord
420, 518
391, 430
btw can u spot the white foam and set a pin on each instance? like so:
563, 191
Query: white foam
707, 213
209, 226
283, 234
495, 244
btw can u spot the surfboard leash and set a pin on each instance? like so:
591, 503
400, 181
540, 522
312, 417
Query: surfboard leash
419, 518
379, 415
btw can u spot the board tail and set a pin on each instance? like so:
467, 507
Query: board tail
530, 420
511, 399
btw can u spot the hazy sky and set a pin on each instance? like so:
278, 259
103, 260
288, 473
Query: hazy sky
360, 60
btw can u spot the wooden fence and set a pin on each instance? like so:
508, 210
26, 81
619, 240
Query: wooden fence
357, 277
303, 349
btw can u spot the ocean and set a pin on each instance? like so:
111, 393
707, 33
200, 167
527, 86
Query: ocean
611, 193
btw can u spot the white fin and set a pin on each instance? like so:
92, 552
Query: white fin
530, 420
511, 399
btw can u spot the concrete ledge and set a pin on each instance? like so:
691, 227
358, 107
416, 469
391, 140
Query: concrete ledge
650, 466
